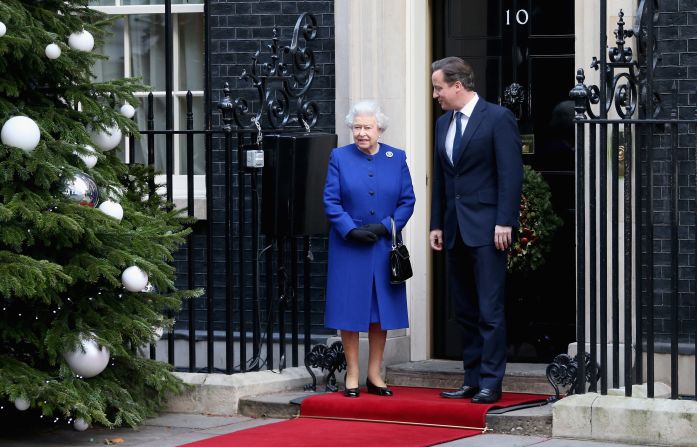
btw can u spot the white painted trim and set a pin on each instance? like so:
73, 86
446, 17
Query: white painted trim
149, 9
419, 138
383, 53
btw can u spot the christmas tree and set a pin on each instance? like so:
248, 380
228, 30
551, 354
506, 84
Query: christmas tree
85, 245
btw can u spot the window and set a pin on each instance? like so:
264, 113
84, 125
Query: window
136, 48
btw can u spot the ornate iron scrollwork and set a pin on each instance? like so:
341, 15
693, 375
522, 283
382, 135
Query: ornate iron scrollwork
283, 80
563, 372
330, 358
620, 87
514, 98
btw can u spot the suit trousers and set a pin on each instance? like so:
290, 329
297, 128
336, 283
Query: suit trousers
477, 278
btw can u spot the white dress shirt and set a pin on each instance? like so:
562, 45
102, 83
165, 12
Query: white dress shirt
466, 113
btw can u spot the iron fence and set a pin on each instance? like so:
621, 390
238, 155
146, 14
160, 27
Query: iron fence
635, 213
265, 291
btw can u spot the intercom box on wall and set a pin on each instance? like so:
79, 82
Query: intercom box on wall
293, 177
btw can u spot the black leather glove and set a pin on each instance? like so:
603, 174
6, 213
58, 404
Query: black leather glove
378, 228
360, 235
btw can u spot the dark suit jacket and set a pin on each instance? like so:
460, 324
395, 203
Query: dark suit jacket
483, 187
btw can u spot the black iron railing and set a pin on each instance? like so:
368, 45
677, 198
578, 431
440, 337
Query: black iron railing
264, 292
629, 161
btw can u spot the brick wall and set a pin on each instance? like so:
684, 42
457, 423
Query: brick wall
676, 33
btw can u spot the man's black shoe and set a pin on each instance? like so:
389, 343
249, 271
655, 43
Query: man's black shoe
486, 396
464, 392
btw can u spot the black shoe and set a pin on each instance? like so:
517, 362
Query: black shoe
464, 392
486, 396
352, 392
379, 390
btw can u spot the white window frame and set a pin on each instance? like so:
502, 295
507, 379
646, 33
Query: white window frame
179, 187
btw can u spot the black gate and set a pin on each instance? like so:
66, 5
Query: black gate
635, 219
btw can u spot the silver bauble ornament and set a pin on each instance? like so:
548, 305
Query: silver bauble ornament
3, 29
82, 189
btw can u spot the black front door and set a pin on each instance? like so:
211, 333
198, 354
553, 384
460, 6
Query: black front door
529, 43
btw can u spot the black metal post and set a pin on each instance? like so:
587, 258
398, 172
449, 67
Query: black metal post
225, 106
294, 319
592, 242
190, 238
150, 123
628, 223
282, 302
241, 216
151, 140
674, 246
307, 304
210, 270
580, 95
615, 254
256, 334
270, 307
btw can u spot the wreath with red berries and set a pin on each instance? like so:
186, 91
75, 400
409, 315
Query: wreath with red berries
538, 222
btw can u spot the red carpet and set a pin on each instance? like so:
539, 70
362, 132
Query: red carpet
413, 417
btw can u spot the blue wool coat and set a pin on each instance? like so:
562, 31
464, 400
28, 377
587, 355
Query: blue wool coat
363, 189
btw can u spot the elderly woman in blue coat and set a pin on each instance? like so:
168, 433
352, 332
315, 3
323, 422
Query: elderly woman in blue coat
368, 184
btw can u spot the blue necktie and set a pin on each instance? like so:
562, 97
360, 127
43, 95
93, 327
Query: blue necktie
458, 136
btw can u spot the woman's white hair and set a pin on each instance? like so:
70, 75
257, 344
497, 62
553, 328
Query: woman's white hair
363, 108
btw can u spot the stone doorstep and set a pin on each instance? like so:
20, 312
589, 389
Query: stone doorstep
520, 377
534, 421
632, 420
220, 394
268, 394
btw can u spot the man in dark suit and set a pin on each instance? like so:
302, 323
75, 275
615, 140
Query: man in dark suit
476, 184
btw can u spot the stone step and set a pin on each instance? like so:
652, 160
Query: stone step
520, 377
529, 378
533, 421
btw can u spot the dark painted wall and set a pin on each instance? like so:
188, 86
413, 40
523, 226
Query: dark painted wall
676, 33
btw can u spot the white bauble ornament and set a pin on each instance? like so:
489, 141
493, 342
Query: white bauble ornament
89, 160
80, 424
20, 132
127, 110
90, 362
134, 279
112, 209
81, 41
21, 404
3, 29
105, 140
52, 51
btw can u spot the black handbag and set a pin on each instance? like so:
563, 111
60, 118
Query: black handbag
400, 266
